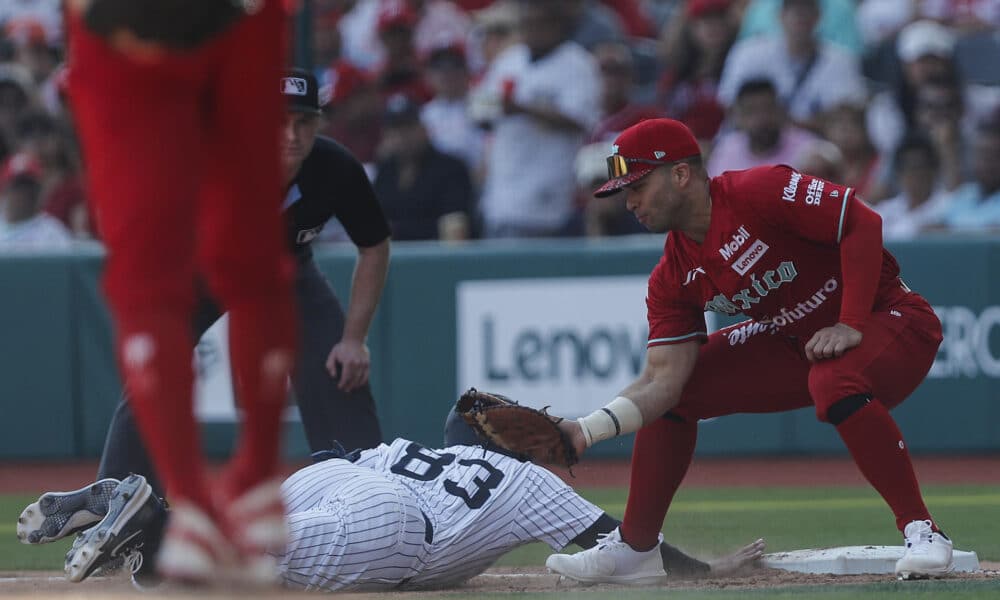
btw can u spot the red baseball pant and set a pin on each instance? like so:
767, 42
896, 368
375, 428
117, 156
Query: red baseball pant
744, 369
184, 175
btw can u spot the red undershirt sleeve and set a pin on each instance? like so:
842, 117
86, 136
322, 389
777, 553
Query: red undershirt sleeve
861, 263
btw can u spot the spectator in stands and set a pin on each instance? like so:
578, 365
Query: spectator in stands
975, 206
811, 76
940, 115
41, 136
694, 52
25, 226
618, 111
927, 52
844, 125
763, 136
921, 202
446, 116
549, 90
400, 72
837, 24
425, 194
354, 112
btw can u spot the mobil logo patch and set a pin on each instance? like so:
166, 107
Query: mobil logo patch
735, 243
749, 258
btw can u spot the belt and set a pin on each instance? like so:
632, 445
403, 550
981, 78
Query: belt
428, 529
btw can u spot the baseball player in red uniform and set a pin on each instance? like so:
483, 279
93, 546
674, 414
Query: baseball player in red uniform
831, 326
176, 107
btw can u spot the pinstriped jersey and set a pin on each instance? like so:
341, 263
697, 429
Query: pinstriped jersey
482, 504
478, 505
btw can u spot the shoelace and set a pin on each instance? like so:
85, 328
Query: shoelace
922, 534
605, 540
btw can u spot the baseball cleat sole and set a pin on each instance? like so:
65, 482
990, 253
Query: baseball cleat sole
56, 515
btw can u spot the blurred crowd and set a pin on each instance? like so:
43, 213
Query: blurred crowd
493, 118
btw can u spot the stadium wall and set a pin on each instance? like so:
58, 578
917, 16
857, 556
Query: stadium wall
558, 323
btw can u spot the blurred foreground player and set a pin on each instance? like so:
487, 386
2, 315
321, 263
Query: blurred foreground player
831, 326
175, 106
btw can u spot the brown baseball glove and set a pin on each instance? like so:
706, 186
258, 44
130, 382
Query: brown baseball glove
515, 428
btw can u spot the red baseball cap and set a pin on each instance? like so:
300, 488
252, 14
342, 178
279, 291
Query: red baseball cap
643, 147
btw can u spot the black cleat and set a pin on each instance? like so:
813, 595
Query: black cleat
60, 514
132, 512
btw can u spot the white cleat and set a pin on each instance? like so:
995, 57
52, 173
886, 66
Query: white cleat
610, 561
928, 553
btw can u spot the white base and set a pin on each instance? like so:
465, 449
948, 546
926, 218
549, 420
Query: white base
854, 560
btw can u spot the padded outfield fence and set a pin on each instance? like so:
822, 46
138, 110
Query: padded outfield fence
558, 323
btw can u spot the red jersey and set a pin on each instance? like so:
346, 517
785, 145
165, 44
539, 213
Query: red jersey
771, 253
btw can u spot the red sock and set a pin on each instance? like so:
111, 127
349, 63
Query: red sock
660, 459
875, 442
261, 342
155, 354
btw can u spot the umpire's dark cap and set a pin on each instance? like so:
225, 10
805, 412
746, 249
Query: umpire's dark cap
300, 89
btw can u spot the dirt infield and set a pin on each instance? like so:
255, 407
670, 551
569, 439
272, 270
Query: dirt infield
32, 477
497, 580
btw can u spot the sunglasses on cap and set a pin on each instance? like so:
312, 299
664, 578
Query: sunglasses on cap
618, 165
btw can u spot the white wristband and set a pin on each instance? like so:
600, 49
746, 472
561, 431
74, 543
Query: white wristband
619, 417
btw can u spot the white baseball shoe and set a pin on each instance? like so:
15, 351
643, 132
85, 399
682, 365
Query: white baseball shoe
928, 553
610, 561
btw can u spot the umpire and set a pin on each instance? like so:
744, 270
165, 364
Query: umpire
331, 376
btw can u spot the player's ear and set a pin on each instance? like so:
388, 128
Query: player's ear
680, 174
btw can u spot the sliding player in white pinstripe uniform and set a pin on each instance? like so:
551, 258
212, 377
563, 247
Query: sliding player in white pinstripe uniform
363, 524
406, 516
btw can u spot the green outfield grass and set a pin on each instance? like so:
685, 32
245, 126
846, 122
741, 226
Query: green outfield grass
707, 522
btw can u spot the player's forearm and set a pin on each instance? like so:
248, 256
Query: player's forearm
654, 393
861, 264
366, 290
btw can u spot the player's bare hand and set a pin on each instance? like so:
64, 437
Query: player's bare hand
572, 429
737, 561
831, 342
350, 360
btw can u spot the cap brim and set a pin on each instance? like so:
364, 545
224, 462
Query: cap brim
613, 186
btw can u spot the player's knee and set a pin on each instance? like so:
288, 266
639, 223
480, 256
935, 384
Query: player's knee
842, 409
